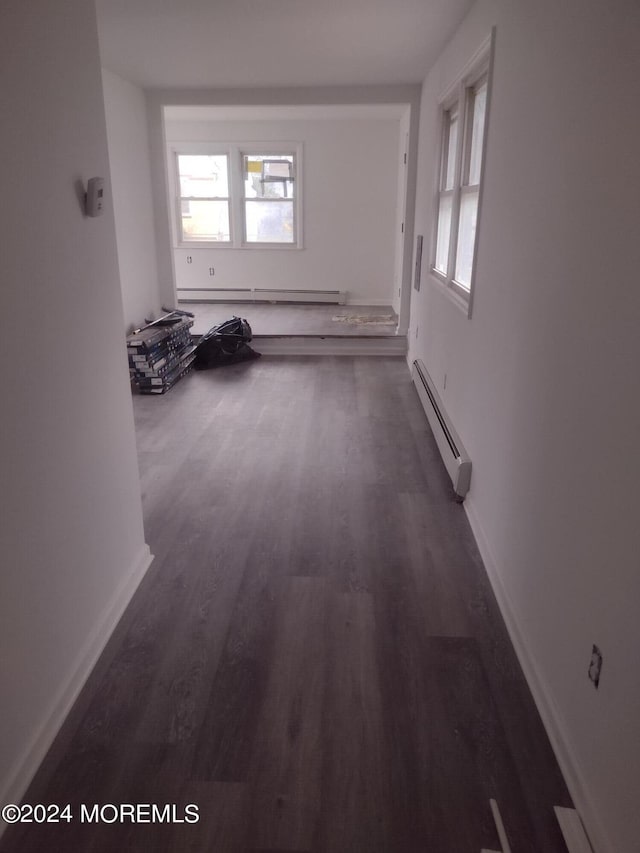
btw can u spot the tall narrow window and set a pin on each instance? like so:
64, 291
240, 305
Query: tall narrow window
269, 198
463, 131
470, 184
203, 187
448, 167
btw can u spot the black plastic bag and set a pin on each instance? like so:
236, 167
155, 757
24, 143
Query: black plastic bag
226, 343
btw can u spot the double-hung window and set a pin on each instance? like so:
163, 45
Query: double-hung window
462, 142
269, 198
203, 187
236, 195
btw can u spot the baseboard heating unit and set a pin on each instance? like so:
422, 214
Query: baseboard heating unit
335, 297
453, 453
259, 294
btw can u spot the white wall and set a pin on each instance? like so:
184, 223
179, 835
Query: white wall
72, 538
350, 179
402, 238
296, 97
542, 382
129, 160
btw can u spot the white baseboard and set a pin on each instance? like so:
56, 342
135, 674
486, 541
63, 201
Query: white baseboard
388, 345
204, 294
287, 295
52, 719
249, 294
260, 294
545, 703
362, 299
572, 830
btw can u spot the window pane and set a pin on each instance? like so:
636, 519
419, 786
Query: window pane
205, 220
444, 233
452, 144
203, 175
466, 238
269, 176
269, 222
477, 133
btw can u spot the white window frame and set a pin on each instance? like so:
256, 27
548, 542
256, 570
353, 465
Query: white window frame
459, 98
258, 151
178, 198
235, 152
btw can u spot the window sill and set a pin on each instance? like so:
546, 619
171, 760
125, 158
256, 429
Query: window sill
287, 247
459, 301
253, 247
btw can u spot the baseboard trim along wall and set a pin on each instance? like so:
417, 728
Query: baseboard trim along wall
260, 294
387, 345
35, 752
547, 708
279, 295
572, 830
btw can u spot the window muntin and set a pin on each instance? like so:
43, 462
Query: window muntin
203, 195
463, 131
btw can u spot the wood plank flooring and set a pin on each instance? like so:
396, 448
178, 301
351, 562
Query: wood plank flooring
315, 657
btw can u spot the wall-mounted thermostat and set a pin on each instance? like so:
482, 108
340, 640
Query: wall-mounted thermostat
95, 196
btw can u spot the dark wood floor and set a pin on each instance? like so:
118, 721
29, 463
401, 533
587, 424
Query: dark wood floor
315, 658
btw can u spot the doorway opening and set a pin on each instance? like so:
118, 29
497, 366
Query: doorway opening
335, 264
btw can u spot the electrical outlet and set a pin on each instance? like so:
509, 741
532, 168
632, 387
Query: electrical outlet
189, 259
416, 332
595, 667
212, 271
444, 384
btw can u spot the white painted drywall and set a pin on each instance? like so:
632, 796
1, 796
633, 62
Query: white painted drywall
402, 258
350, 179
293, 97
129, 159
542, 382
241, 44
70, 511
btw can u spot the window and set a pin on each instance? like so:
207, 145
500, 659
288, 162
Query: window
203, 185
237, 196
463, 133
269, 192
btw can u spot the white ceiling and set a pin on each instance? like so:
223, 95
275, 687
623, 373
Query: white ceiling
249, 43
350, 112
